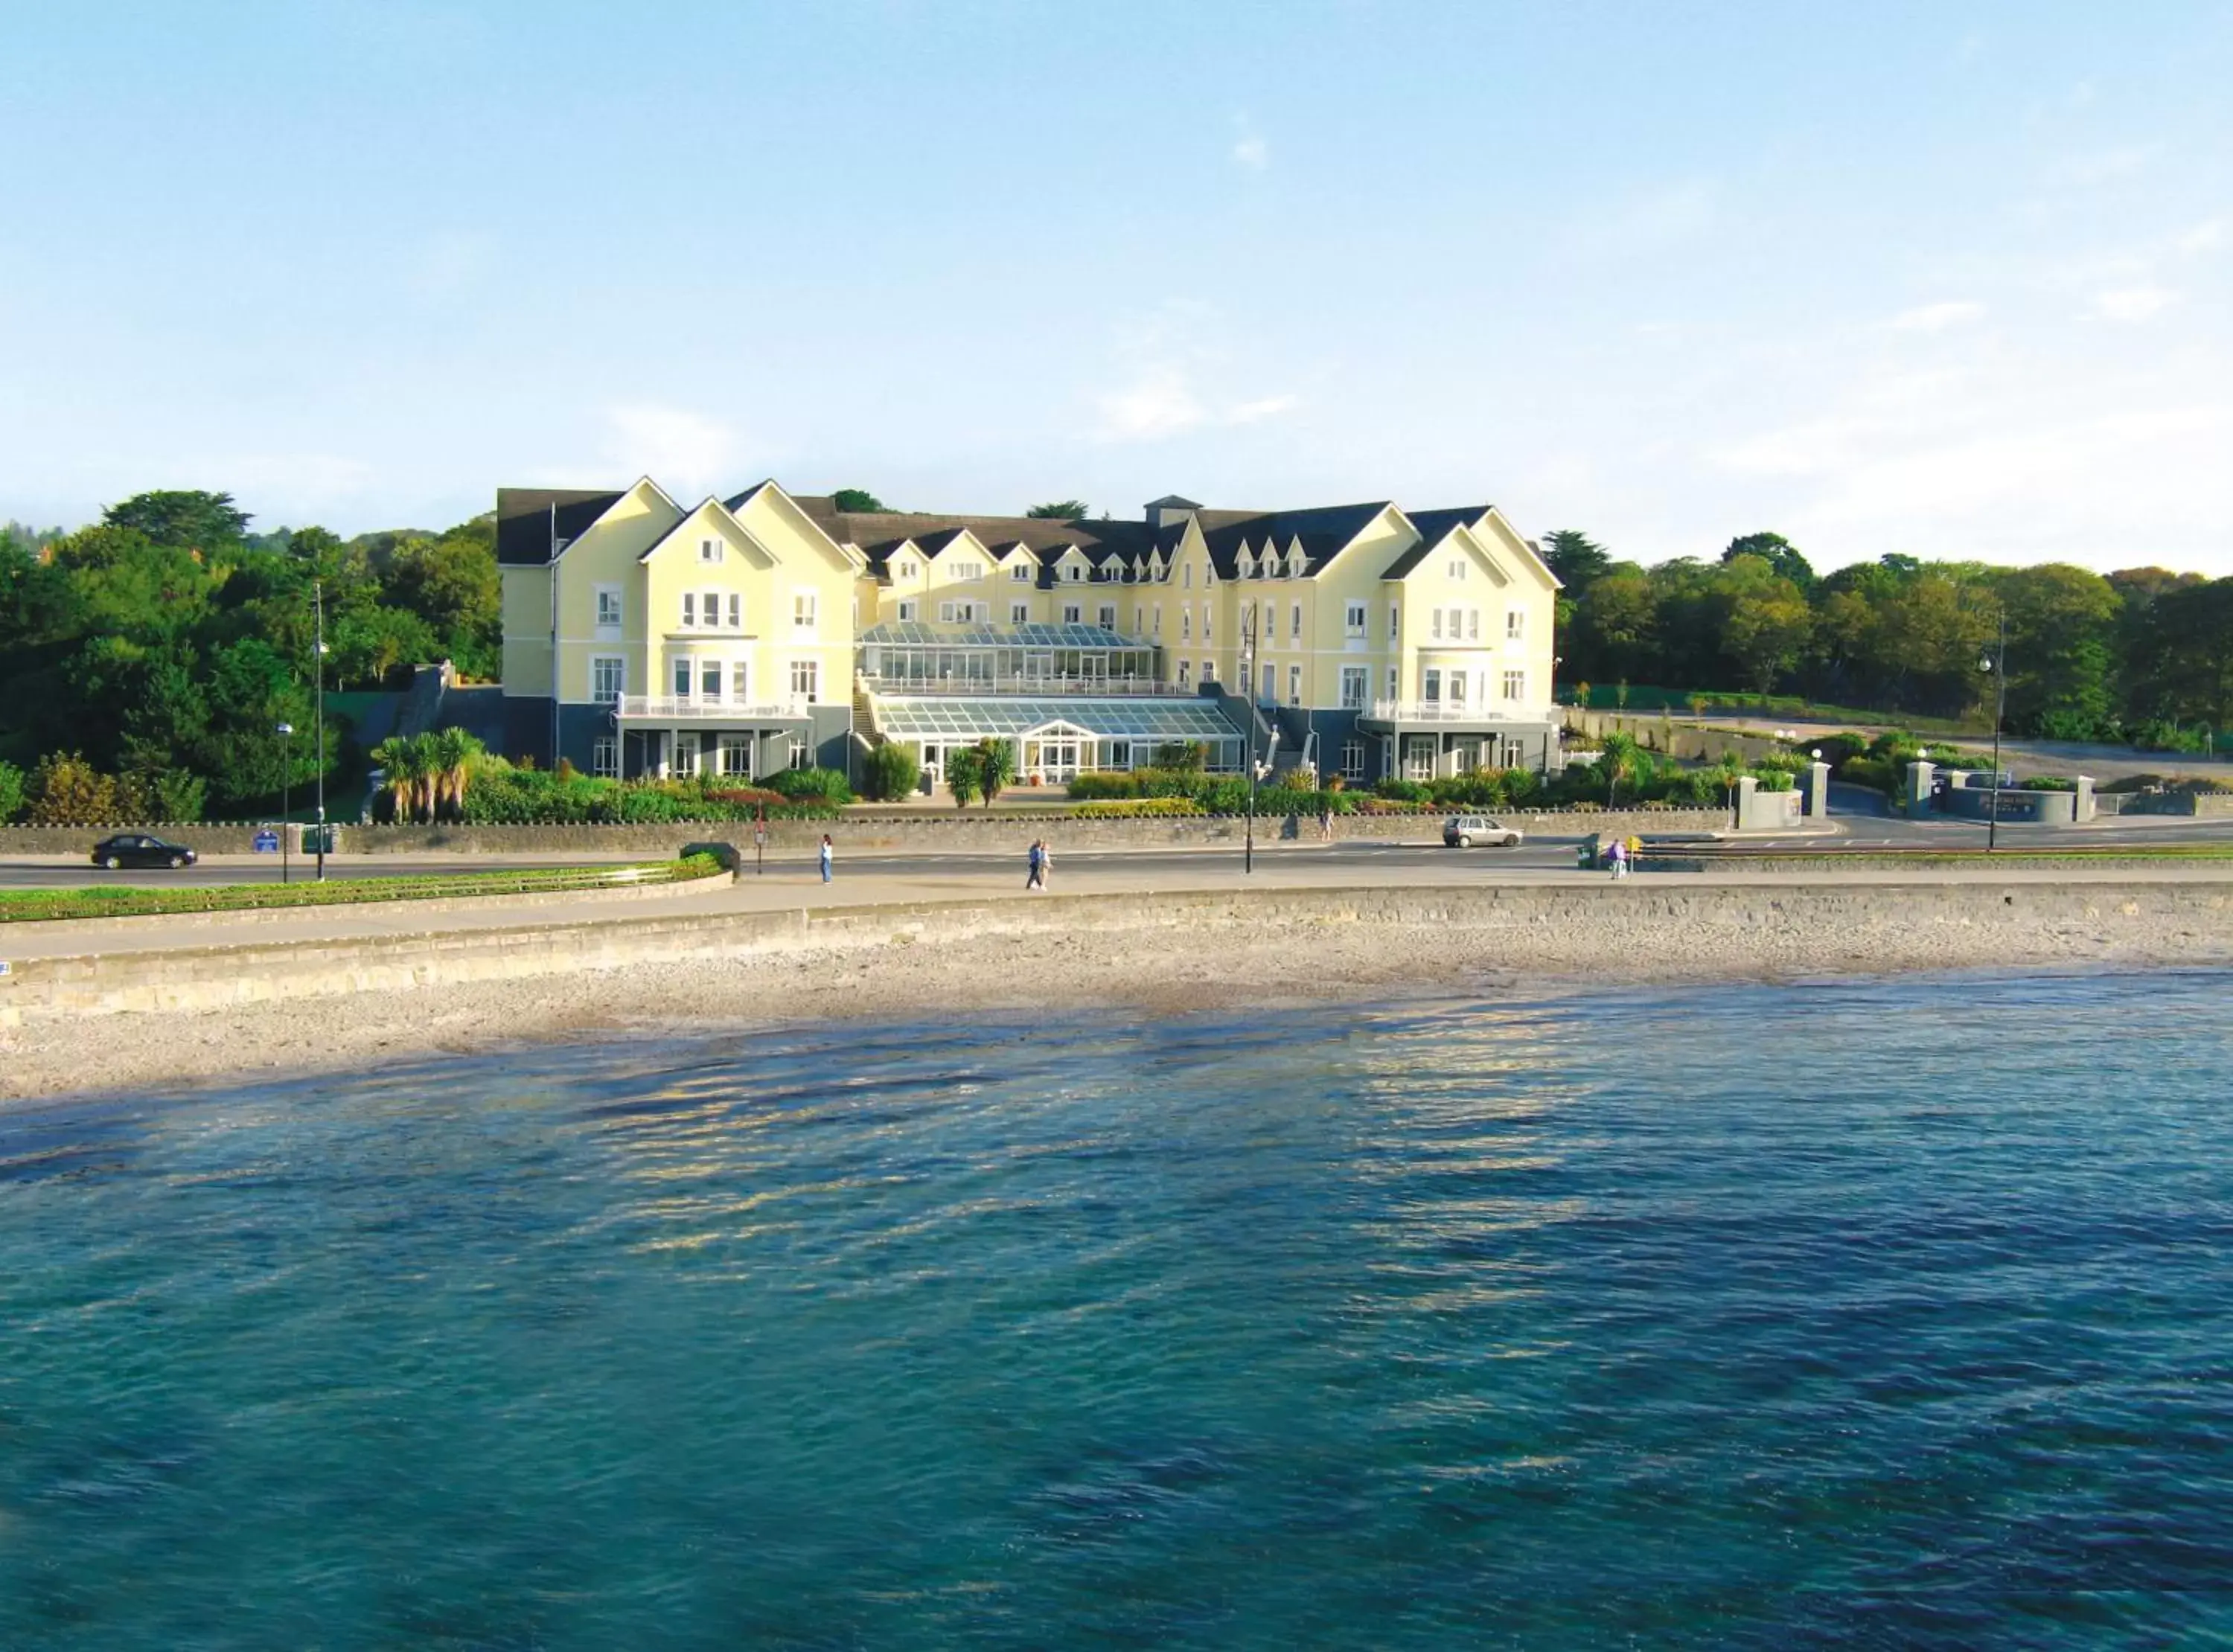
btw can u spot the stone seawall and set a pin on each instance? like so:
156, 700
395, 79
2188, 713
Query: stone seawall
942, 831
1706, 930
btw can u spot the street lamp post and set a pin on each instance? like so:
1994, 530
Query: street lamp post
1248, 736
1998, 665
286, 790
318, 678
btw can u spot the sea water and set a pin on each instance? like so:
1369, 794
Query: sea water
1874, 1315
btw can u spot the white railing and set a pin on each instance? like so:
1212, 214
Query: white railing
1439, 711
691, 708
1019, 684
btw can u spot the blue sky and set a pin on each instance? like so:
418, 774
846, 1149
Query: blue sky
1943, 279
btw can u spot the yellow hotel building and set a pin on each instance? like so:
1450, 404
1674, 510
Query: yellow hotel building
738, 636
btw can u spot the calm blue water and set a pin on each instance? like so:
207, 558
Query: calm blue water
1868, 1315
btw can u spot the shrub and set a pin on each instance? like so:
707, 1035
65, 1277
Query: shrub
1191, 757
889, 770
1774, 780
814, 786
67, 790
1876, 773
11, 792
1135, 807
1169, 783
1407, 791
1103, 785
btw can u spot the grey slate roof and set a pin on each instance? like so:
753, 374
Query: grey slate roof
1434, 527
529, 519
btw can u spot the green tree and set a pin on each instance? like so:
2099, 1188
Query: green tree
1777, 552
182, 520
857, 499
1575, 557
1061, 510
11, 792
1768, 624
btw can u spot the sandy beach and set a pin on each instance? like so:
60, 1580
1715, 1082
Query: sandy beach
1152, 971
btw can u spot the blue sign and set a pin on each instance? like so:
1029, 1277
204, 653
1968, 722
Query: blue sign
267, 842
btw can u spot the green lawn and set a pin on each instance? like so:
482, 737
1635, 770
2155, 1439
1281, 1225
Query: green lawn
24, 906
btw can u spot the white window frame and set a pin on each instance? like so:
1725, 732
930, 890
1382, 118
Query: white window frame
1071, 612
605, 757
945, 612
1356, 684
599, 695
712, 679
806, 681
682, 676
1295, 623
736, 611
1108, 616
1186, 673
1516, 684
689, 610
709, 550
735, 757
1394, 620
1430, 685
1515, 625
1019, 570
1352, 758
1352, 620
1209, 671
1019, 614
1473, 624
1437, 632
908, 608
1294, 684
709, 610
1395, 682
805, 609
609, 611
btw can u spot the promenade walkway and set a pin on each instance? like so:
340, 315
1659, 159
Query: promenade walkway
791, 882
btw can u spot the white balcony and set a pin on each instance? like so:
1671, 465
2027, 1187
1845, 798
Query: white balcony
669, 708
1444, 711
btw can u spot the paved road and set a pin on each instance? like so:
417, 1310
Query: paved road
47, 873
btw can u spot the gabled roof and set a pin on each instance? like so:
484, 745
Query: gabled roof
530, 521
1434, 527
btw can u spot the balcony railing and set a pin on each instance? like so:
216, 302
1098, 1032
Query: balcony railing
1439, 711
669, 708
1021, 683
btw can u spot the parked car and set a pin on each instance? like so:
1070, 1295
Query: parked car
137, 849
1463, 831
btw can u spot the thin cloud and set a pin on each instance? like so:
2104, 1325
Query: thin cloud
2202, 237
1251, 151
1250, 413
1645, 223
2134, 304
2106, 167
1936, 318
685, 451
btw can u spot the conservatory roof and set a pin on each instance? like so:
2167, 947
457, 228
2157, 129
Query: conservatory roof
949, 716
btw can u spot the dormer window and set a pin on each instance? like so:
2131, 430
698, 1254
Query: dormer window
1020, 572
909, 569
1072, 571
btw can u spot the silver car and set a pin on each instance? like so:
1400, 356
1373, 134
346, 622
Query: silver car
1463, 831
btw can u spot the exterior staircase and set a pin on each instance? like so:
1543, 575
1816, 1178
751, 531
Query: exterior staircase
864, 718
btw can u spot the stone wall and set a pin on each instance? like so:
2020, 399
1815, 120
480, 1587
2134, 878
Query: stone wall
1669, 920
920, 831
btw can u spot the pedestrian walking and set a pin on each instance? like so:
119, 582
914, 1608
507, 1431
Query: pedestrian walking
827, 849
1616, 857
1035, 878
1325, 824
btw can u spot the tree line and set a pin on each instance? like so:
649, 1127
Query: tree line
2144, 655
162, 647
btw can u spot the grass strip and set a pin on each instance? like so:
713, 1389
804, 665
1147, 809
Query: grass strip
28, 906
1940, 856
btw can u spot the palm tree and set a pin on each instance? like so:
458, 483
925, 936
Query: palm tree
425, 767
456, 754
996, 767
394, 760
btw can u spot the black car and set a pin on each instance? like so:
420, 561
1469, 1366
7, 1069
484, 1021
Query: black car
137, 849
